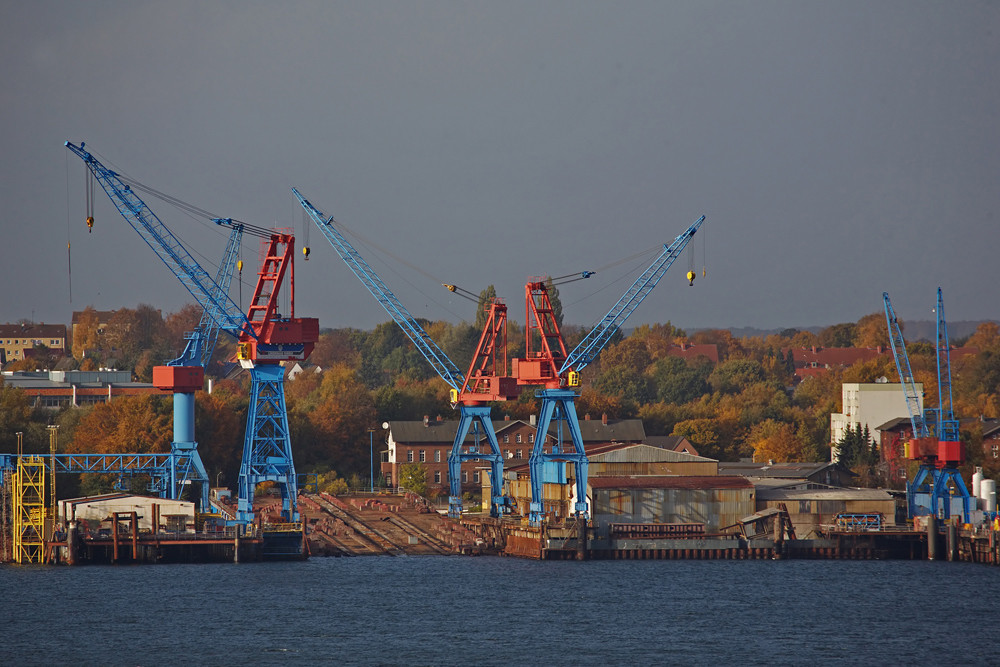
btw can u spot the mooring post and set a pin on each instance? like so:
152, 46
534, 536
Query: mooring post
952, 535
932, 536
581, 541
71, 543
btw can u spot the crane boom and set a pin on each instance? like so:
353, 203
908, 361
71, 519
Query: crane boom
440, 361
201, 341
898, 345
218, 307
946, 425
595, 341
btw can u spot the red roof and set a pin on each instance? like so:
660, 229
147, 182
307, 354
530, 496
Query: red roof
706, 482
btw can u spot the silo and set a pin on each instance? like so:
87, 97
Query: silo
977, 480
988, 491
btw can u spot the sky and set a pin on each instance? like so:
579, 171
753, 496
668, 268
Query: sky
838, 150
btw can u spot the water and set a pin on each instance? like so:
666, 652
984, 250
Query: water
493, 611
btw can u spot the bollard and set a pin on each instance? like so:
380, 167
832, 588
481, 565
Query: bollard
932, 534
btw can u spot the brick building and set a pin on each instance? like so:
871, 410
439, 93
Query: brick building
430, 441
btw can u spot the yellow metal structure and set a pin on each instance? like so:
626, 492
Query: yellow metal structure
29, 508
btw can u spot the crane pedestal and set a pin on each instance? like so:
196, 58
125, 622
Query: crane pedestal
267, 449
557, 405
472, 417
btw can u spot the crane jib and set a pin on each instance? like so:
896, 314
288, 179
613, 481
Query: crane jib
595, 341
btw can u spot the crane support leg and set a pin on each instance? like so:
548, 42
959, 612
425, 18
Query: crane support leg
921, 485
267, 449
184, 447
942, 493
472, 417
557, 405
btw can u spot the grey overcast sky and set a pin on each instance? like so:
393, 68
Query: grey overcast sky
838, 149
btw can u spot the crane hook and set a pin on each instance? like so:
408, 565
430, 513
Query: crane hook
691, 276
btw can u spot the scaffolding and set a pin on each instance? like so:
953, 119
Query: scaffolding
28, 486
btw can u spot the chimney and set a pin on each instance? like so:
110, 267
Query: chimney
427, 420
532, 420
604, 418
506, 418
439, 417
586, 417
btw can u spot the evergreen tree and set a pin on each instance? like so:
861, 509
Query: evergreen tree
485, 299
557, 309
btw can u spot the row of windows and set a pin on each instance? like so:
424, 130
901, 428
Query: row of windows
421, 455
517, 438
465, 477
17, 341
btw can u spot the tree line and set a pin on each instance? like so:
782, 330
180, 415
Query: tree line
747, 404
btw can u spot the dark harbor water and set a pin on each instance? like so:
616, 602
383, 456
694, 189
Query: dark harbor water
486, 611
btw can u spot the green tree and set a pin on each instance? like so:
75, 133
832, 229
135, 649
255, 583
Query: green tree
413, 477
838, 335
556, 303
486, 298
731, 377
675, 380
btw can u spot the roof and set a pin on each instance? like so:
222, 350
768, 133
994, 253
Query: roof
822, 494
677, 443
785, 470
688, 351
32, 330
620, 430
832, 356
102, 315
670, 482
892, 424
640, 453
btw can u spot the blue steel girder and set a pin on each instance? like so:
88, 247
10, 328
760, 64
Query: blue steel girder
595, 341
201, 341
267, 449
898, 346
222, 310
435, 356
947, 425
472, 418
557, 405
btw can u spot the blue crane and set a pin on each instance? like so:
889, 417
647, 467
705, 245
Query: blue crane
936, 444
559, 373
265, 338
474, 416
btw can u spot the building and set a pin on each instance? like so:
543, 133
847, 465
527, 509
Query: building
688, 351
175, 516
714, 501
869, 405
18, 341
827, 474
56, 389
613, 460
677, 443
812, 506
815, 360
430, 441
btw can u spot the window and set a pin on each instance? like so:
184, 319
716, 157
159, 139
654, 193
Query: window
531, 437
518, 454
409, 456
437, 476
506, 453
506, 439
437, 456
517, 437
465, 477
388, 479
475, 476
423, 456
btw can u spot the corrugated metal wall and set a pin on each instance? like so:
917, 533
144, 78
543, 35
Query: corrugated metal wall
715, 508
682, 468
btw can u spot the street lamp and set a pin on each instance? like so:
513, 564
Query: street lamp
371, 458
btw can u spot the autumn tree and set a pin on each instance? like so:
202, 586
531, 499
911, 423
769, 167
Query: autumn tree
872, 331
839, 335
86, 336
775, 441
139, 424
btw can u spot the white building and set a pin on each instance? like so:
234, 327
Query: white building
871, 405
